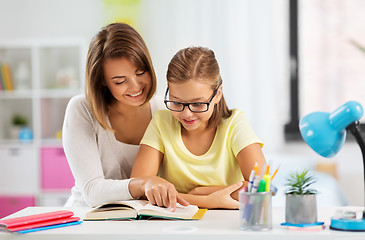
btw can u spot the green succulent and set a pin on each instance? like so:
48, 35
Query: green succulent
19, 120
300, 182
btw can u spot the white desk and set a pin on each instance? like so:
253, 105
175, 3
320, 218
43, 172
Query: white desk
216, 224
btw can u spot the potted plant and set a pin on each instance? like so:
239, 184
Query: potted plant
301, 202
18, 121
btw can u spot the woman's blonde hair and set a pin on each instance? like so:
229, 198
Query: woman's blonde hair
113, 41
200, 64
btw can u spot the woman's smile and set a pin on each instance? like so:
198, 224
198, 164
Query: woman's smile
136, 94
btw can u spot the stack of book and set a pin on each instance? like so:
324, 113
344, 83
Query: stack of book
317, 226
38, 222
6, 80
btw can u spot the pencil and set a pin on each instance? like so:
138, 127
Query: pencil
272, 177
255, 168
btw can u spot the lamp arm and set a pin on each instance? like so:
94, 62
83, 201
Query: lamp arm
354, 129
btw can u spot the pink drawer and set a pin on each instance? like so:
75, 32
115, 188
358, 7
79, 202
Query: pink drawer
12, 204
56, 174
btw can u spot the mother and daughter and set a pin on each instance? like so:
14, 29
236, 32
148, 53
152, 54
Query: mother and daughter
121, 145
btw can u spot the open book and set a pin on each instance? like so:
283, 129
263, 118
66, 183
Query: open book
142, 209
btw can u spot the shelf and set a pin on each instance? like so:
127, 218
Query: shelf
46, 74
16, 94
16, 144
64, 69
52, 111
51, 142
11, 107
59, 93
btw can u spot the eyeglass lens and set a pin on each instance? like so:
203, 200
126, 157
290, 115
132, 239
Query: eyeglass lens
194, 107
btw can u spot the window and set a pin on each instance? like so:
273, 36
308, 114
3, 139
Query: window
327, 41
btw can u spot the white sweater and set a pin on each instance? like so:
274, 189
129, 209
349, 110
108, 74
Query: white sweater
100, 164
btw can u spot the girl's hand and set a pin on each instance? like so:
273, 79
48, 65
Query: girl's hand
223, 199
235, 194
157, 190
211, 189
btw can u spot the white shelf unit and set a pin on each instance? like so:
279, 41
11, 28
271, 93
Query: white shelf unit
46, 73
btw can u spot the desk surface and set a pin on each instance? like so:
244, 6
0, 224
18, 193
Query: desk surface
216, 224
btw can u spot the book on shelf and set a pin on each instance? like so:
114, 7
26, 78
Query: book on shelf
37, 222
2, 81
142, 209
7, 81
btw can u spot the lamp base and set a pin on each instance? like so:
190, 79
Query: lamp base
343, 224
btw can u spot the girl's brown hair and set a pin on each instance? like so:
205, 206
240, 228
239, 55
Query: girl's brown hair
113, 41
199, 63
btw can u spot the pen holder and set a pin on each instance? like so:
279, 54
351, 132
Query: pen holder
255, 211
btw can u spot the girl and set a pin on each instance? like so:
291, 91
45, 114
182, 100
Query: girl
102, 131
199, 145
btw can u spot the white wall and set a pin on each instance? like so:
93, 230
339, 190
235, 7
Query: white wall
50, 18
250, 40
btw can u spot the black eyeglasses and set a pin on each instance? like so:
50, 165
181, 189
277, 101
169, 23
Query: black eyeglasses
196, 107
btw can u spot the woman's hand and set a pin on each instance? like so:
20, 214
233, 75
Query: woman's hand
157, 190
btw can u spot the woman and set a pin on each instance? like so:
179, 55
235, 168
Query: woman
102, 130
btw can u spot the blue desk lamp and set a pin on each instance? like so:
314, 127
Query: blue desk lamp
325, 133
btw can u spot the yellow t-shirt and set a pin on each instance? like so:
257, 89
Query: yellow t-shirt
217, 167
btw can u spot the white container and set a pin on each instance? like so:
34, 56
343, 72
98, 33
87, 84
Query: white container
255, 211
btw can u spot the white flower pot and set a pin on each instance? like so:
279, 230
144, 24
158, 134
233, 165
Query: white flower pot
14, 132
301, 209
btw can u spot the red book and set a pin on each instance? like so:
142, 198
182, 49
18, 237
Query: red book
44, 224
42, 219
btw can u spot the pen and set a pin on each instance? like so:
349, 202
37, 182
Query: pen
273, 189
267, 179
262, 186
261, 206
250, 181
248, 208
255, 167
254, 188
255, 185
245, 189
243, 200
255, 212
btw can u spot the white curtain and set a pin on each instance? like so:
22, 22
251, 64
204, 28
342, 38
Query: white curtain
249, 39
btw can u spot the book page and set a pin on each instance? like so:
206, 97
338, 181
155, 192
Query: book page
116, 210
134, 204
180, 212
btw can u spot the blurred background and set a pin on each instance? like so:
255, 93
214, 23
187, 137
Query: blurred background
279, 60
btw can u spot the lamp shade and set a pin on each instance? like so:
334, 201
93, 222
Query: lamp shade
325, 132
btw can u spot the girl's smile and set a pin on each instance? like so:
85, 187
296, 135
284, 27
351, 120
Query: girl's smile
189, 121
192, 91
